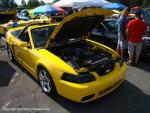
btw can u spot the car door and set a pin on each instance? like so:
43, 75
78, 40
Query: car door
23, 53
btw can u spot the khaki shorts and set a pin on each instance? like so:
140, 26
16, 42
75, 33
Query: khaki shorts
122, 44
137, 47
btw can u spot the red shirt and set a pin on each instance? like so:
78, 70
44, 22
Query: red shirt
136, 29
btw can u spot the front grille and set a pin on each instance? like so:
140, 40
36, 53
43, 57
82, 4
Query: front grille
87, 97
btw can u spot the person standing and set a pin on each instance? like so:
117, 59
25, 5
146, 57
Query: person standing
122, 39
135, 29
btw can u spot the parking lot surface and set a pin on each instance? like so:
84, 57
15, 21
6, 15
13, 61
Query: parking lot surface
20, 93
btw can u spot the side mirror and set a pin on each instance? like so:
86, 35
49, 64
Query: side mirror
24, 44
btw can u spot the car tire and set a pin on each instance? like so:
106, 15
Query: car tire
46, 82
10, 54
5, 32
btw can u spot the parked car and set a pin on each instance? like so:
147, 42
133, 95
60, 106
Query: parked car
63, 60
106, 33
38, 19
6, 15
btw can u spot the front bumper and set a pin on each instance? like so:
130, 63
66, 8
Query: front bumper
90, 91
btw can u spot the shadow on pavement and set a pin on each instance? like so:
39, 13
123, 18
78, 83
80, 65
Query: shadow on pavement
143, 66
2, 47
126, 99
6, 73
24, 71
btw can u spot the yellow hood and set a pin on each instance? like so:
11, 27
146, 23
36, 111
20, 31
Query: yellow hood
78, 24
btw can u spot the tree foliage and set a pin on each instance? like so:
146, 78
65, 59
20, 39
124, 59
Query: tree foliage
146, 3
23, 4
55, 1
33, 3
42, 2
7, 4
132, 3
136, 2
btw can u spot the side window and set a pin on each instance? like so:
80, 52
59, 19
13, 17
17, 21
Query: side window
25, 37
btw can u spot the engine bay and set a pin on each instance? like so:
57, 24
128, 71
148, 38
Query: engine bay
79, 54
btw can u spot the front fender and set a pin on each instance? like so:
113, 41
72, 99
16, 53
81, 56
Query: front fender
44, 64
55, 70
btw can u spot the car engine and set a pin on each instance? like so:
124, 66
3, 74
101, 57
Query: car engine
78, 54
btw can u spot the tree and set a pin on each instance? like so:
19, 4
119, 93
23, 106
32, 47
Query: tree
130, 3
23, 4
116, 1
1, 4
55, 1
125, 2
42, 2
33, 3
15, 5
146, 3
7, 4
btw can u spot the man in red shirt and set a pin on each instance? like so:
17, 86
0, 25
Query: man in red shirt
135, 29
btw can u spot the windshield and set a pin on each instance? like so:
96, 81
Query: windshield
111, 25
41, 35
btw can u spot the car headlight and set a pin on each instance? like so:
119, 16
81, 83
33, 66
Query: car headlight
81, 78
119, 60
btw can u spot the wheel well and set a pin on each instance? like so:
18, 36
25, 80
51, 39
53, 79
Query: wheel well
42, 67
38, 68
7, 44
5, 31
11, 47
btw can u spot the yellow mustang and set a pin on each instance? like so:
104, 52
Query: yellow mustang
64, 61
38, 19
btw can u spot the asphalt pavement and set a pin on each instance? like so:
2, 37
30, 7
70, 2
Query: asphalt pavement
20, 93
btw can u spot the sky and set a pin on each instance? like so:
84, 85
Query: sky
46, 1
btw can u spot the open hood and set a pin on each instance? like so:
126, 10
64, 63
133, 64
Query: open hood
78, 24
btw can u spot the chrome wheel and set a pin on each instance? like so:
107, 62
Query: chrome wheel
45, 81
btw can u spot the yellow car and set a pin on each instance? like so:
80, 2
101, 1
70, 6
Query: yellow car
38, 19
64, 61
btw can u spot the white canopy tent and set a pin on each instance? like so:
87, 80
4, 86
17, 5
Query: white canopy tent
88, 3
65, 3
79, 3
